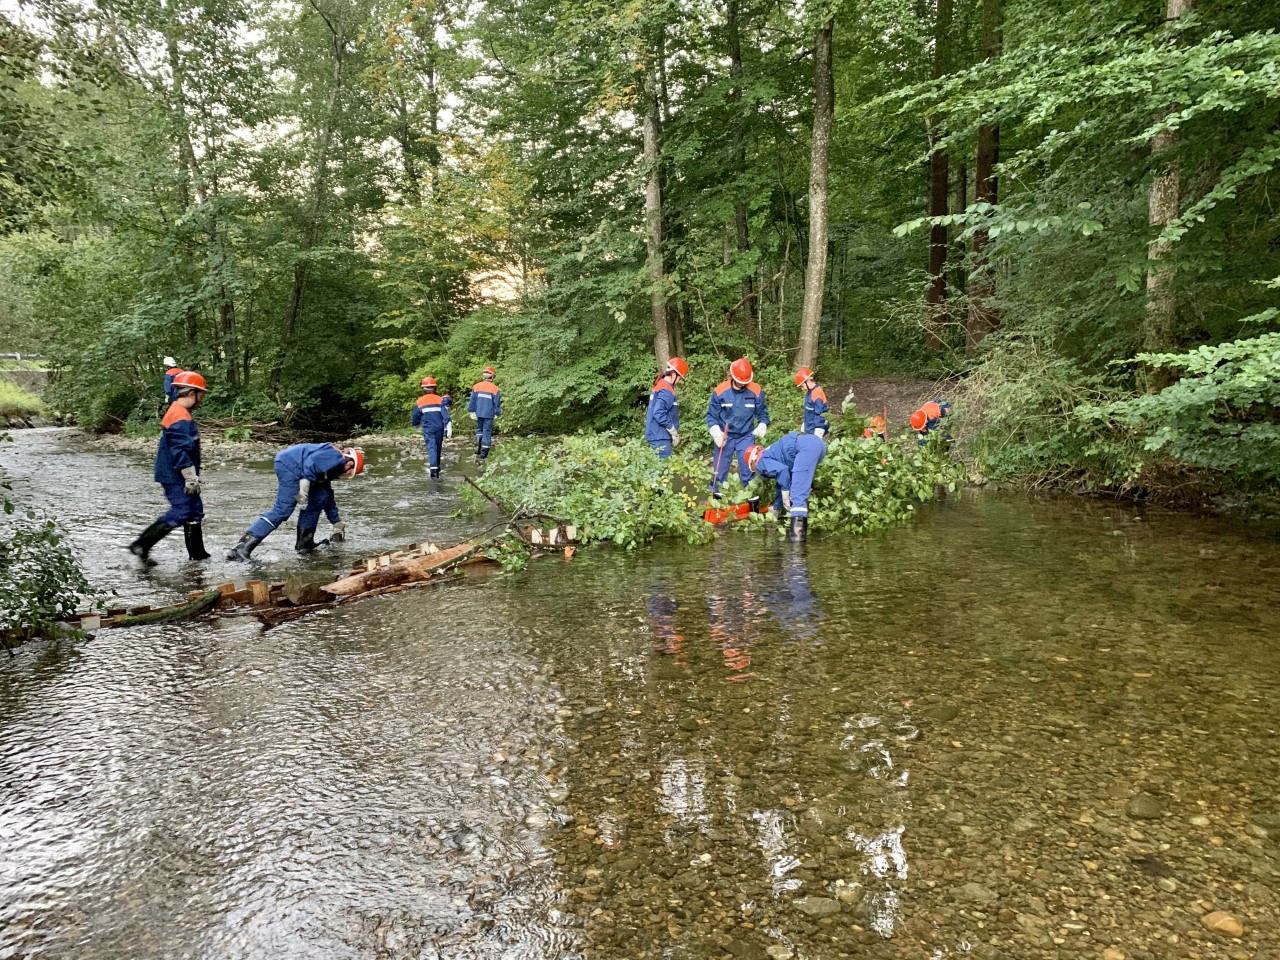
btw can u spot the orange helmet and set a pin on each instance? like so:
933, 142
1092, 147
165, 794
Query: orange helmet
678, 365
740, 370
356, 458
490, 373
877, 423
919, 420
753, 456
189, 380
428, 382
803, 374
932, 410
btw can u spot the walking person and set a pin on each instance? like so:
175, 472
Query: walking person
432, 414
485, 406
171, 371
792, 462
178, 472
736, 413
815, 404
662, 420
305, 473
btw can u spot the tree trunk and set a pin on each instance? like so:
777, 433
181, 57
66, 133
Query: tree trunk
653, 207
936, 297
740, 219
1158, 324
983, 317
311, 224
815, 281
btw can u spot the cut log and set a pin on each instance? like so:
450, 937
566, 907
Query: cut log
182, 611
303, 589
418, 568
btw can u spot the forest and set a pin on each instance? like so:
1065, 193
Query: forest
1067, 209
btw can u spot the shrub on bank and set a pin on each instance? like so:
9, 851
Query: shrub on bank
16, 402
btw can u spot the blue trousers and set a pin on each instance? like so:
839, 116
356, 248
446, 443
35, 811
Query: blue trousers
320, 498
183, 507
484, 432
735, 448
663, 447
431, 439
809, 453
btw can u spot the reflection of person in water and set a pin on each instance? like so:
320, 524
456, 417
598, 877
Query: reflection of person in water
662, 608
793, 603
736, 616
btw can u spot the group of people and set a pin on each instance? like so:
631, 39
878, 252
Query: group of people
738, 417
432, 415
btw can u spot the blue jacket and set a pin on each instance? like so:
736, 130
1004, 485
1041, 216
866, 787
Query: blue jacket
310, 461
778, 461
815, 411
737, 411
170, 393
179, 445
431, 413
663, 415
486, 400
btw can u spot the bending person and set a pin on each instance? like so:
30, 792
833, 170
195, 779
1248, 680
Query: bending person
792, 462
305, 473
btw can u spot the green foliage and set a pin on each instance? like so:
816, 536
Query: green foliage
16, 402
1221, 415
865, 484
615, 491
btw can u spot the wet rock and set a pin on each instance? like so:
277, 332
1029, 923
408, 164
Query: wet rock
940, 712
1112, 953
1144, 807
974, 893
779, 952
747, 951
1223, 923
817, 906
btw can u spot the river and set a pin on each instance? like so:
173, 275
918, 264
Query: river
1014, 728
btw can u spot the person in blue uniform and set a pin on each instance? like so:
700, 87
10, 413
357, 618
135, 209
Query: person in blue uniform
432, 415
485, 406
928, 418
305, 473
791, 461
815, 404
171, 371
178, 472
662, 421
736, 413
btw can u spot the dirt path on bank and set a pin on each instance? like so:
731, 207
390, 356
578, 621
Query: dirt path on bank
899, 396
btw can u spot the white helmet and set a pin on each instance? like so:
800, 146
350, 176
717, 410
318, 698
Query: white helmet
170, 362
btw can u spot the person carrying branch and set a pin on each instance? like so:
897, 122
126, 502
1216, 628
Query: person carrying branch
662, 421
178, 472
305, 473
736, 413
432, 414
485, 406
792, 462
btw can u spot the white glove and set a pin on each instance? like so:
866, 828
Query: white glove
819, 432
448, 430
761, 429
675, 438
190, 482
339, 532
471, 415
304, 492
786, 500
717, 436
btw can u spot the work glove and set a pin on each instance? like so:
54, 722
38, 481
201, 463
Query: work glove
717, 436
819, 432
675, 438
761, 429
448, 431
471, 415
190, 482
304, 492
786, 500
339, 532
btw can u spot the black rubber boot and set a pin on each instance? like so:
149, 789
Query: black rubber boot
245, 547
478, 447
435, 473
193, 533
798, 529
754, 504
307, 541
141, 548
484, 453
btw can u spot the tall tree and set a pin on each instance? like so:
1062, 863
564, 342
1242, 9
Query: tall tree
653, 212
815, 281
983, 317
936, 297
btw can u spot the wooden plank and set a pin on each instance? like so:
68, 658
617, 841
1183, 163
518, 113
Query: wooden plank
535, 536
226, 589
88, 623
570, 531
259, 591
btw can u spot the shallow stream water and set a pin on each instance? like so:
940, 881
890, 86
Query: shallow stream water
1013, 728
